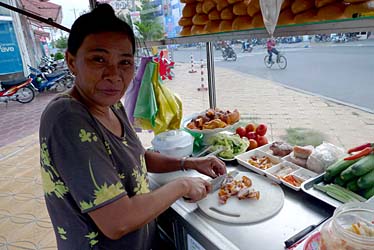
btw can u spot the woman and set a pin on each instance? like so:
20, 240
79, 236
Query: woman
94, 167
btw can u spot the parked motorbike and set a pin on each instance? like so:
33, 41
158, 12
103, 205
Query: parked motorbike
17, 90
228, 53
54, 81
246, 47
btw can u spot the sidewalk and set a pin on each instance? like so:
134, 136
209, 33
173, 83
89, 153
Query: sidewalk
24, 221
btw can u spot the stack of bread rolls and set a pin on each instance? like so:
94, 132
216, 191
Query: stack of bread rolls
211, 16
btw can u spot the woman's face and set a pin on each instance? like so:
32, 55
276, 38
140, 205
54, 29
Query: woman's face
103, 67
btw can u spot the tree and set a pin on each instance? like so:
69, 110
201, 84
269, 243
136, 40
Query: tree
149, 30
61, 42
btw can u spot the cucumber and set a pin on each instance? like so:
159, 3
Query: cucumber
336, 168
363, 166
368, 193
366, 181
347, 174
338, 180
352, 185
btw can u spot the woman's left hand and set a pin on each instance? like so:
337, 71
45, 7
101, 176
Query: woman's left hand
210, 165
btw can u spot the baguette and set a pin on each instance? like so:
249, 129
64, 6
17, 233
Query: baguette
240, 9
307, 16
253, 7
321, 3
359, 8
212, 26
186, 31
332, 11
286, 17
214, 15
197, 30
227, 14
225, 25
189, 10
286, 4
199, 8
221, 4
242, 23
258, 21
302, 5
200, 19
208, 5
185, 21
233, 1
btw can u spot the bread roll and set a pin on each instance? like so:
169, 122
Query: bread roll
227, 14
212, 26
242, 23
286, 4
321, 3
208, 5
189, 1
234, 1
197, 30
332, 11
240, 9
302, 5
302, 152
253, 7
286, 17
225, 25
185, 21
257, 21
186, 31
200, 19
214, 15
189, 10
221, 4
307, 16
199, 8
359, 8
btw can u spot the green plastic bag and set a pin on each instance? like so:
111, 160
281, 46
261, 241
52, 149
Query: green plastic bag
146, 106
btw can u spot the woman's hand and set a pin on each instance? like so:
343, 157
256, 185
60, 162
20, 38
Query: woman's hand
210, 165
196, 188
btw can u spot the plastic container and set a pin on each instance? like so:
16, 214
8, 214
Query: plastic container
177, 143
339, 231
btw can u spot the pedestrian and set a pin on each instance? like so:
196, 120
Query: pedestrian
94, 167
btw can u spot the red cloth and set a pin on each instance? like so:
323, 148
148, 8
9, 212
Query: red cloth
270, 44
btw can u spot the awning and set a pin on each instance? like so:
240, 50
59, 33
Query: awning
41, 33
43, 9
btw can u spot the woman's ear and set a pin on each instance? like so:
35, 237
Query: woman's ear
70, 61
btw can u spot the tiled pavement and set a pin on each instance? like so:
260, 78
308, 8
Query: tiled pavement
24, 223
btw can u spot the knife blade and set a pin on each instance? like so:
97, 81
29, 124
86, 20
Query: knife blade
217, 182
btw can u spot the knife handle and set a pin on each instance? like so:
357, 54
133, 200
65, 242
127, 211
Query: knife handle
299, 236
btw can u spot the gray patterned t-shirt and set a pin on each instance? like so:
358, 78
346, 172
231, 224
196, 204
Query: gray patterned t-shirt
84, 166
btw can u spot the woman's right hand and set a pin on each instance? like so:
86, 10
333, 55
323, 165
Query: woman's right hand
196, 188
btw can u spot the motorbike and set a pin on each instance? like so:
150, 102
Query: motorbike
246, 47
54, 81
228, 53
17, 90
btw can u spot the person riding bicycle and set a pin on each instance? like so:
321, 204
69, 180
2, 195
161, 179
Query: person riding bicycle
270, 44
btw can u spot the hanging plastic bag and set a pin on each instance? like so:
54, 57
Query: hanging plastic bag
270, 10
132, 92
146, 106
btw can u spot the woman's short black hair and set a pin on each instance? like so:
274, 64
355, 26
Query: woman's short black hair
100, 19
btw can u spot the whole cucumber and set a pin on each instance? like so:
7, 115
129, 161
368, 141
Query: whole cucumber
339, 181
363, 166
336, 168
368, 193
352, 185
347, 174
366, 181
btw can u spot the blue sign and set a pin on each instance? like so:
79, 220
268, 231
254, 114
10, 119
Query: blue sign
10, 56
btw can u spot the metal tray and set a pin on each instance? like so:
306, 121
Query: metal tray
308, 188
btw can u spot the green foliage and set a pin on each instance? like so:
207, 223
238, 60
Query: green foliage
149, 30
59, 56
304, 136
61, 42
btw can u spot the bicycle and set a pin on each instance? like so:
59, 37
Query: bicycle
281, 60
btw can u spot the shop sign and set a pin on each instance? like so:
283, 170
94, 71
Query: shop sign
10, 56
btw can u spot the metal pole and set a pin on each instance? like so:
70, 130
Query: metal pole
211, 77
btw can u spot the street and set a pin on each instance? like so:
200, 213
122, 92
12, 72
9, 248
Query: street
342, 72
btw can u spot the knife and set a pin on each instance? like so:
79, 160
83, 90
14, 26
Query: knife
217, 182
300, 235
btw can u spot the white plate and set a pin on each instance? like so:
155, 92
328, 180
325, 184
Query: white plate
243, 160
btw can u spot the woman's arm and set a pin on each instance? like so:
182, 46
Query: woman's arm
159, 163
128, 214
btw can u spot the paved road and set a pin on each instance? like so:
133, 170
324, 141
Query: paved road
344, 72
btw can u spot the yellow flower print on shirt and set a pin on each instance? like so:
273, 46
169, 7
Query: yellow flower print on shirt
92, 237
87, 136
58, 188
118, 105
62, 233
140, 176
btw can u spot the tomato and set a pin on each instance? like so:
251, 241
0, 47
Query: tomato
261, 129
241, 131
252, 144
251, 135
261, 140
250, 127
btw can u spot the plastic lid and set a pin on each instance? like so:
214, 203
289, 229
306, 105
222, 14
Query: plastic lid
172, 139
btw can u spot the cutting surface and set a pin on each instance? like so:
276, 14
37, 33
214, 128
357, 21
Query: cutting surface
249, 210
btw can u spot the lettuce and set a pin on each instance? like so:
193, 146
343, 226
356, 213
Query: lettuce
233, 143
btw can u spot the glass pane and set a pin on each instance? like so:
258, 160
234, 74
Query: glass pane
4, 11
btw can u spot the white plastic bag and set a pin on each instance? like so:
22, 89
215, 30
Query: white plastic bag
323, 156
270, 10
